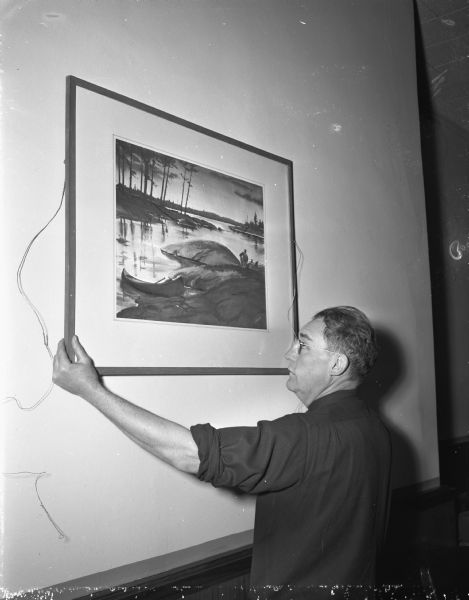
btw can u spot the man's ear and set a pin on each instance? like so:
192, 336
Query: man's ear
340, 365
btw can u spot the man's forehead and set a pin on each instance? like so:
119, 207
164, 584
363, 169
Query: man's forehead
312, 330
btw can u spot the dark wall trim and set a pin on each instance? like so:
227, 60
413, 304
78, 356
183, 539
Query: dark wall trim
230, 569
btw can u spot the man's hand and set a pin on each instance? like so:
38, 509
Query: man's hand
79, 378
165, 439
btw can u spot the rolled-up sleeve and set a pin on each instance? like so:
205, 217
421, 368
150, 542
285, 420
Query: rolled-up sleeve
253, 459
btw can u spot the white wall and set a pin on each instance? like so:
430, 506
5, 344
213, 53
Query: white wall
326, 83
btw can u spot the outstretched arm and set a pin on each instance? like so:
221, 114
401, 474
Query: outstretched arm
165, 439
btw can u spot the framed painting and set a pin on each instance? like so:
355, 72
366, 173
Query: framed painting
180, 253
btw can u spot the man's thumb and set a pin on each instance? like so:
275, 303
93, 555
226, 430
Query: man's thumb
80, 352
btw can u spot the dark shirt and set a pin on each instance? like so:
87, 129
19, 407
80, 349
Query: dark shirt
321, 480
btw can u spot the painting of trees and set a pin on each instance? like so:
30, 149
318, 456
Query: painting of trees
137, 168
188, 172
150, 173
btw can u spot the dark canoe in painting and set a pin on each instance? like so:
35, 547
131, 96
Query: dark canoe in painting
166, 289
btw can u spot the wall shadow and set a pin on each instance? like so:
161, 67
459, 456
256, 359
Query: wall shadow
403, 527
377, 389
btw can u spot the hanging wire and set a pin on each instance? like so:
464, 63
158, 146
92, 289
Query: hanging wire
45, 337
40, 319
299, 267
38, 476
300, 408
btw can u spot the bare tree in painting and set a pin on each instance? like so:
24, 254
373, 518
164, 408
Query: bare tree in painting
120, 162
144, 163
167, 164
154, 172
148, 168
125, 156
191, 169
131, 171
141, 161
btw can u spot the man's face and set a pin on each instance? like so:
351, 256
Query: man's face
309, 363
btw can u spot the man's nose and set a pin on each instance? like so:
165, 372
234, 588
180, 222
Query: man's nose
292, 352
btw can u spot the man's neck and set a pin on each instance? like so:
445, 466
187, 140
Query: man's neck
336, 386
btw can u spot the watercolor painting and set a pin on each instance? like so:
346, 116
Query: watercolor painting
189, 242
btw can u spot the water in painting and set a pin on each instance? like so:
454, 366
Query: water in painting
189, 242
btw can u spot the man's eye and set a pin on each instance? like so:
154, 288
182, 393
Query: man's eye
301, 346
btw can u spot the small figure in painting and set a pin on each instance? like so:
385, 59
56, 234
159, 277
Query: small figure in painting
243, 258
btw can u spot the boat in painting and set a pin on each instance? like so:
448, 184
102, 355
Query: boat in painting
167, 288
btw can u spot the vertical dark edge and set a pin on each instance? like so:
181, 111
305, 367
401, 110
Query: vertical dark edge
70, 212
294, 265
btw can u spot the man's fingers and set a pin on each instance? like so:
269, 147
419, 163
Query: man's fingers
82, 356
61, 361
61, 356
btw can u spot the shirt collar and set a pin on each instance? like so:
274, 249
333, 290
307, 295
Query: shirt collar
324, 402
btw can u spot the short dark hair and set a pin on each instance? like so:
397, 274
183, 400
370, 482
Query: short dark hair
348, 330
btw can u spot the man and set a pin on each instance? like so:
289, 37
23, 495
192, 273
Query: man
321, 477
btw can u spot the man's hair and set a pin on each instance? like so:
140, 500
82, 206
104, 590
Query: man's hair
348, 330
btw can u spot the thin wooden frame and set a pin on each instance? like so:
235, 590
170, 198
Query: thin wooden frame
76, 87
